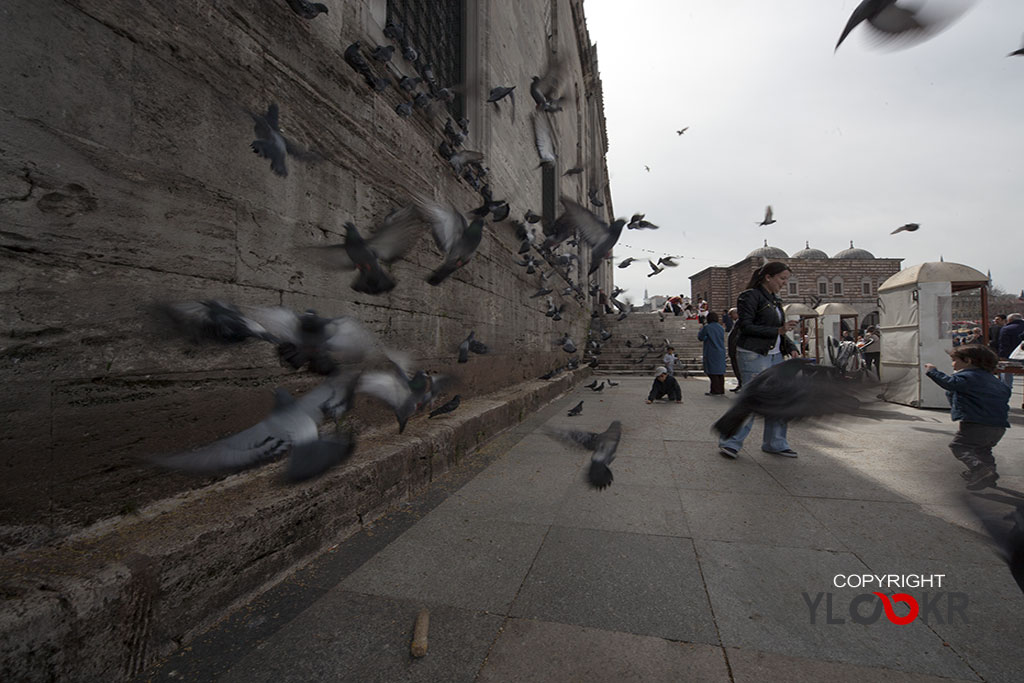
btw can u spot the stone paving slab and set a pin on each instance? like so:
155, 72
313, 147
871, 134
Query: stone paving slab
641, 584
624, 507
362, 638
530, 650
752, 666
757, 595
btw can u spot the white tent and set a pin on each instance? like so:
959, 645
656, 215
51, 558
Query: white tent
806, 316
916, 328
830, 322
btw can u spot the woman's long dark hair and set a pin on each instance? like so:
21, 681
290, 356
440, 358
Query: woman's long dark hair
767, 270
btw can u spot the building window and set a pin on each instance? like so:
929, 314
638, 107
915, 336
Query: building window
792, 288
822, 287
434, 29
865, 287
837, 287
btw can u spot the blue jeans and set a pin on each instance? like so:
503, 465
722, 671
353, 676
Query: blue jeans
774, 439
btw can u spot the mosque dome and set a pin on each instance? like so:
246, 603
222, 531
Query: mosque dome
807, 252
854, 253
768, 252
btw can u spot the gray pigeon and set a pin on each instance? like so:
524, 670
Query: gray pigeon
306, 9
602, 445
447, 407
404, 393
657, 269
599, 387
576, 170
270, 144
308, 339
392, 238
544, 139
626, 262
212, 320
546, 90
909, 227
383, 53
292, 425
595, 232
576, 410
470, 344
567, 344
457, 239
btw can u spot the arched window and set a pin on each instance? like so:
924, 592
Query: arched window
837, 285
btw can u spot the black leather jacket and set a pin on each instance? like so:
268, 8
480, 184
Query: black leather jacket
759, 322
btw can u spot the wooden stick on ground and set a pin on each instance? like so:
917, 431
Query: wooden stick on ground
419, 634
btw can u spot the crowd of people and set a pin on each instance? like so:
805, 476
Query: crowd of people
753, 336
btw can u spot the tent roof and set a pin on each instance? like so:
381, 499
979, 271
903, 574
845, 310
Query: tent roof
799, 309
836, 309
934, 271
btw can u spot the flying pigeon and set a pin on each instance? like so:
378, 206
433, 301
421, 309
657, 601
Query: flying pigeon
212, 320
308, 339
1018, 52
306, 9
470, 344
683, 130
889, 22
546, 89
667, 261
768, 220
457, 239
595, 232
576, 410
909, 227
594, 195
647, 168
603, 446
567, 344
500, 92
459, 160
576, 170
292, 425
392, 238
270, 144
404, 393
447, 407
655, 268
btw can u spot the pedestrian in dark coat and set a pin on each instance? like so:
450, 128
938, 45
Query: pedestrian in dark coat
1010, 338
665, 386
713, 336
734, 335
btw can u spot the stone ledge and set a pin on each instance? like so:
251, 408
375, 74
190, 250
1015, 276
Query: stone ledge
106, 603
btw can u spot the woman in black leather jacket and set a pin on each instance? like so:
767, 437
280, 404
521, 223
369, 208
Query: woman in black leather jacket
762, 343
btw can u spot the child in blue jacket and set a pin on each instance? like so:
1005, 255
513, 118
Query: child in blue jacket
981, 404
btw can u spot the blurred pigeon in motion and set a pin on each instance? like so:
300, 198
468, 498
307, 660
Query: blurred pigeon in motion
306, 9
667, 261
541, 292
405, 393
909, 227
392, 238
605, 335
501, 92
270, 144
603, 446
457, 239
409, 84
768, 220
626, 262
567, 344
459, 160
594, 195
212, 320
470, 344
531, 217
544, 139
292, 425
902, 26
792, 390
576, 170
383, 53
595, 232
308, 339
1006, 530
683, 130
447, 407
657, 269
546, 90
576, 410
354, 58
1016, 53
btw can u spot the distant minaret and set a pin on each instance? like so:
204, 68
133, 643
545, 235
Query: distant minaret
647, 298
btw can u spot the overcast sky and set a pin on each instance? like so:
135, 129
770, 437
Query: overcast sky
843, 146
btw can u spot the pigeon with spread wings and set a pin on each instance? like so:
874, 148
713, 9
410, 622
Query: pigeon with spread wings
602, 445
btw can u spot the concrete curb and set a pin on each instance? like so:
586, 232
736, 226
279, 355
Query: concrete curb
106, 603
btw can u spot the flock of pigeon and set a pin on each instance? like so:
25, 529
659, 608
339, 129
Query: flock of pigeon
341, 349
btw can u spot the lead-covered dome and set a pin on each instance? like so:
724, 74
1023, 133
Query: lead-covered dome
768, 252
854, 253
807, 252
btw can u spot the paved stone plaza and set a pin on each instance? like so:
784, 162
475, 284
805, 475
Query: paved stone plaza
690, 567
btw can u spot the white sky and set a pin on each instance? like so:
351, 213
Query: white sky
843, 146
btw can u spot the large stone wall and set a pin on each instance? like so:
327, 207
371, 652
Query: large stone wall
126, 178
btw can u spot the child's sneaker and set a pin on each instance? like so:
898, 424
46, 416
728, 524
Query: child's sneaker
982, 477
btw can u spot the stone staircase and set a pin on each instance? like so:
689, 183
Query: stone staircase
618, 359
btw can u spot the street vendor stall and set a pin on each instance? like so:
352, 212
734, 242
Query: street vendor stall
806, 330
833, 318
917, 328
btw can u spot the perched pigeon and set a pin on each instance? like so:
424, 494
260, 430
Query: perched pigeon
470, 344
403, 109
392, 238
383, 53
292, 425
576, 410
768, 220
306, 9
613, 384
599, 387
270, 144
909, 227
457, 239
447, 407
567, 344
603, 446
592, 385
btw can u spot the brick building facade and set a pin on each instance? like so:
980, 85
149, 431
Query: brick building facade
851, 276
